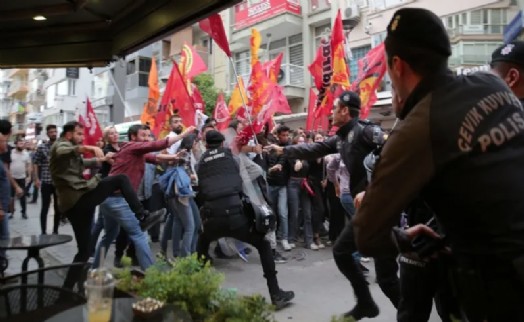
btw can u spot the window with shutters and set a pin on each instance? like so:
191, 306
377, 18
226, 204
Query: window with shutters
357, 54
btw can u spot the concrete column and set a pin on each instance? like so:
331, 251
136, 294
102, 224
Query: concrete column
117, 112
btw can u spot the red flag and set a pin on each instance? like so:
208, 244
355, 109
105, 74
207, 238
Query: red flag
176, 98
196, 96
338, 57
259, 87
193, 63
272, 68
221, 113
92, 130
311, 110
214, 27
371, 70
277, 103
317, 66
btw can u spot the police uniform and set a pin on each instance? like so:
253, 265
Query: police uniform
222, 213
460, 146
354, 141
511, 53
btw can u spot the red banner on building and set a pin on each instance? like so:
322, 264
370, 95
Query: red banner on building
251, 12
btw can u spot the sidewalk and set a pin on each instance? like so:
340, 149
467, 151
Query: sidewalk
321, 291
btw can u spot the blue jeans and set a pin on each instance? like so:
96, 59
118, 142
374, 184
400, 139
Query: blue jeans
117, 213
299, 198
347, 203
186, 222
96, 229
278, 199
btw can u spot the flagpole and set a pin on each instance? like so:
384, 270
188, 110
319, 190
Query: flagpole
243, 100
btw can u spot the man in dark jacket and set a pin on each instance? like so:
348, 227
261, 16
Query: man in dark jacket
222, 214
277, 179
460, 146
355, 139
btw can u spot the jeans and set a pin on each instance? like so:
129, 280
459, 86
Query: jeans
48, 189
299, 198
117, 213
81, 218
347, 203
21, 184
96, 229
185, 226
278, 199
239, 226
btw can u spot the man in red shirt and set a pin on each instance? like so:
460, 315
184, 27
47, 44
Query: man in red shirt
130, 160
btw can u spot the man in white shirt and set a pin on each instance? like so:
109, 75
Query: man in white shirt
21, 170
175, 122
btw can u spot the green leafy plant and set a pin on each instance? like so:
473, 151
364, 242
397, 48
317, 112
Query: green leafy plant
194, 288
342, 319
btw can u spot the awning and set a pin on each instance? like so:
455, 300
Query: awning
62, 33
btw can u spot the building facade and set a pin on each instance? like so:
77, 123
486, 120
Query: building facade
475, 27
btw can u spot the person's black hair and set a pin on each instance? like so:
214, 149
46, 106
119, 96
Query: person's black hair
50, 127
187, 142
70, 127
207, 126
174, 116
354, 113
209, 120
234, 124
5, 127
133, 130
283, 128
423, 62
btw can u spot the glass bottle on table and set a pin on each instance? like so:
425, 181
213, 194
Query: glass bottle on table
99, 288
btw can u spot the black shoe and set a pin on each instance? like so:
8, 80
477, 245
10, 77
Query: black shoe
24, 216
360, 311
117, 262
11, 216
282, 299
152, 218
278, 258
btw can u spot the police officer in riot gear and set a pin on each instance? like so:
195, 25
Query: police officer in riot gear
354, 140
507, 61
422, 280
460, 146
222, 213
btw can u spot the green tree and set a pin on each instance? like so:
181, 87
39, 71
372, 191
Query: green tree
206, 86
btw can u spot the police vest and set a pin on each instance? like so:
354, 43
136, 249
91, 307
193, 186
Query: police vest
218, 175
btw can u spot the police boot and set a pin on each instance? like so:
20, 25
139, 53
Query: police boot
363, 309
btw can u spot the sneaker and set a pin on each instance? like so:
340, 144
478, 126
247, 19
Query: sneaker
361, 311
282, 299
313, 246
364, 269
24, 216
152, 218
242, 255
292, 245
329, 243
318, 242
364, 259
285, 245
278, 258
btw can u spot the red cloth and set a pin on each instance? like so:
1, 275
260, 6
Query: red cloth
221, 113
194, 64
214, 27
131, 159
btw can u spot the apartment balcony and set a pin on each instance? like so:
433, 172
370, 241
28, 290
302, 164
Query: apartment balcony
291, 78
474, 32
18, 88
469, 60
281, 18
136, 86
36, 96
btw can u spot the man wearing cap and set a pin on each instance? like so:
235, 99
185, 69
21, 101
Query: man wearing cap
355, 139
507, 62
460, 146
220, 186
